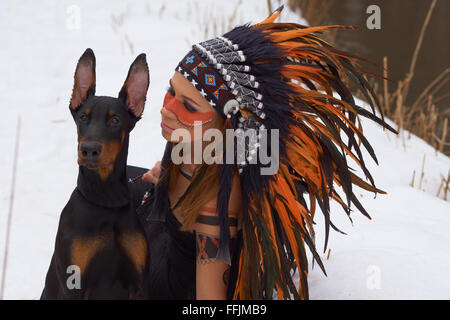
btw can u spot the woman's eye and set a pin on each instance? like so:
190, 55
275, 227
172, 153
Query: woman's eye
186, 105
171, 91
189, 107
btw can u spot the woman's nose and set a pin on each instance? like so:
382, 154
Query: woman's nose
167, 113
168, 99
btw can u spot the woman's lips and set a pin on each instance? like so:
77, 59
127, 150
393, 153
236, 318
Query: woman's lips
166, 127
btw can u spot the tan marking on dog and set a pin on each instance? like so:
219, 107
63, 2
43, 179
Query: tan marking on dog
80, 156
111, 113
86, 294
88, 112
83, 249
108, 156
135, 246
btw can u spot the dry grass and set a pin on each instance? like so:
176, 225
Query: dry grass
421, 117
445, 186
316, 12
213, 27
117, 24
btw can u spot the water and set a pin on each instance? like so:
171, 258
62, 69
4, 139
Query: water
401, 22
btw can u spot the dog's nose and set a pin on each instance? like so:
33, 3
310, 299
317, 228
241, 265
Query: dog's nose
91, 150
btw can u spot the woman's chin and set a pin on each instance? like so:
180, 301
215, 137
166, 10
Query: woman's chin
166, 135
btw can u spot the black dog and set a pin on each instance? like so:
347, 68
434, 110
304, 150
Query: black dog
101, 250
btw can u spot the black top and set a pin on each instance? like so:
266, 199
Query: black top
172, 252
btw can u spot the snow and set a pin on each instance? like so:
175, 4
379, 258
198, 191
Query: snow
403, 253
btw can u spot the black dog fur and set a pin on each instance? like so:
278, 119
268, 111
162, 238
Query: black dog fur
99, 237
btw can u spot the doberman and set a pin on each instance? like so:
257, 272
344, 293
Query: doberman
101, 251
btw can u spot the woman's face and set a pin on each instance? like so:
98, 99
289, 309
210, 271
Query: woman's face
183, 106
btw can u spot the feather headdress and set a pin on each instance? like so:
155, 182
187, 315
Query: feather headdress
282, 76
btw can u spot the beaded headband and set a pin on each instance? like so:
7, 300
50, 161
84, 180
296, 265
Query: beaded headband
217, 69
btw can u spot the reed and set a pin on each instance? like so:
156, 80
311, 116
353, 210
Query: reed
444, 185
316, 12
421, 117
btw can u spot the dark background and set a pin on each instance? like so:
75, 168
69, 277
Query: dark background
401, 22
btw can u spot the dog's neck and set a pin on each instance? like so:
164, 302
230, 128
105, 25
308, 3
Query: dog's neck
110, 192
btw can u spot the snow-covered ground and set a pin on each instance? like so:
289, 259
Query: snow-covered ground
403, 253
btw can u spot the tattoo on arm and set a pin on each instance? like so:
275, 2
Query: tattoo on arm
207, 248
207, 237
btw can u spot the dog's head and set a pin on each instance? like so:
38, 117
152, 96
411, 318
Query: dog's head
104, 123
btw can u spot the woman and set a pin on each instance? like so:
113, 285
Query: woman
197, 212
236, 229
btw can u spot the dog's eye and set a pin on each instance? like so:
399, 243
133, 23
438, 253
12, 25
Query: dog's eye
114, 120
83, 117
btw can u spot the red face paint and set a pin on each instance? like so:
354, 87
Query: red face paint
183, 115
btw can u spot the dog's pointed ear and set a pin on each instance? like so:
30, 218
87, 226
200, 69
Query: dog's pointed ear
134, 90
84, 79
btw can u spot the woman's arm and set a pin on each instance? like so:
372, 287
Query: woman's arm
212, 275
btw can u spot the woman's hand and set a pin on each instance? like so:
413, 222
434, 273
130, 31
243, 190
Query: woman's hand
152, 175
